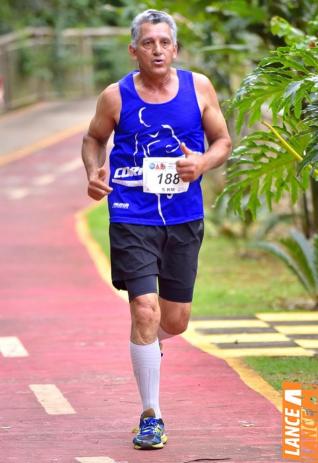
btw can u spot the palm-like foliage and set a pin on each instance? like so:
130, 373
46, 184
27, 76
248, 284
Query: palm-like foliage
301, 256
284, 88
263, 168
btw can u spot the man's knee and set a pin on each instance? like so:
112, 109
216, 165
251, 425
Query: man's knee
174, 316
175, 327
145, 309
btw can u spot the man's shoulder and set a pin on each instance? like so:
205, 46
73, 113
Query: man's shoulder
205, 91
110, 97
201, 79
109, 102
111, 91
204, 87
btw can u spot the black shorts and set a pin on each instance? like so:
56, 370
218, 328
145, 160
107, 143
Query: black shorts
143, 254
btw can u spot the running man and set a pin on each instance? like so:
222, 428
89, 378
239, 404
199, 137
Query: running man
159, 115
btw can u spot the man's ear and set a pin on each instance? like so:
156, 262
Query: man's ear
132, 51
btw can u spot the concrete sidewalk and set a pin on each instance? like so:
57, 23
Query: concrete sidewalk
27, 126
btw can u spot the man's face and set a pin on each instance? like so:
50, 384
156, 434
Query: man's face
155, 49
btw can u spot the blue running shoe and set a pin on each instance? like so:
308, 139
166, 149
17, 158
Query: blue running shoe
151, 433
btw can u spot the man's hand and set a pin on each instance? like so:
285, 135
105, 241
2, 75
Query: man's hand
97, 187
191, 167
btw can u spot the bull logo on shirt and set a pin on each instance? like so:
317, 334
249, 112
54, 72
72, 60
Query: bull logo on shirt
145, 141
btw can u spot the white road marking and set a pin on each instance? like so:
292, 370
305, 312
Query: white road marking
297, 329
51, 399
307, 343
243, 323
97, 460
44, 180
11, 346
247, 337
286, 316
18, 193
70, 166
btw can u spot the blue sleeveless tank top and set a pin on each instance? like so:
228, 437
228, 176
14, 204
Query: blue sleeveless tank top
154, 130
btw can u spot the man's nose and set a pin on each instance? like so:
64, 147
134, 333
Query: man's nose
157, 48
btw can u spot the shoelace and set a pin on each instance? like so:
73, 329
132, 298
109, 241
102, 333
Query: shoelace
148, 425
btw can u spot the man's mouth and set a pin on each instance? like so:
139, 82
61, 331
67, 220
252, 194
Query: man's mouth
158, 61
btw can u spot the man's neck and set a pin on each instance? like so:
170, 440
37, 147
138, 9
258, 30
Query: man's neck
154, 82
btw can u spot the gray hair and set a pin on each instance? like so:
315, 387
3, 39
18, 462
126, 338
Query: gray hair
154, 17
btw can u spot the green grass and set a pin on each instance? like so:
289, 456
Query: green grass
98, 224
277, 369
233, 282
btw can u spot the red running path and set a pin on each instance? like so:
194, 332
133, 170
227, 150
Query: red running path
76, 332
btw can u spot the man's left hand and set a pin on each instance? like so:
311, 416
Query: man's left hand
191, 167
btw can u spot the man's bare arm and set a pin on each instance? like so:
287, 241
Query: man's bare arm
216, 133
94, 142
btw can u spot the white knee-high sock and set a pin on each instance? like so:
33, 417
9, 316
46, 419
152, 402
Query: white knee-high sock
162, 334
146, 361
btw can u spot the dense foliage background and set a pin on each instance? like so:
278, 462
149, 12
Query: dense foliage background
16, 14
261, 56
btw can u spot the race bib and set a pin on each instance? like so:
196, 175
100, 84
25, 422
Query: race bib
160, 176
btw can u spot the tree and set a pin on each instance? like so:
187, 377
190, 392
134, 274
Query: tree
15, 14
268, 163
224, 39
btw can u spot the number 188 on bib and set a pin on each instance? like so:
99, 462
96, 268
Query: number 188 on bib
160, 176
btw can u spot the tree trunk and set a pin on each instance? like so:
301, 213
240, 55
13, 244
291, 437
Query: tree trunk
314, 196
306, 225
